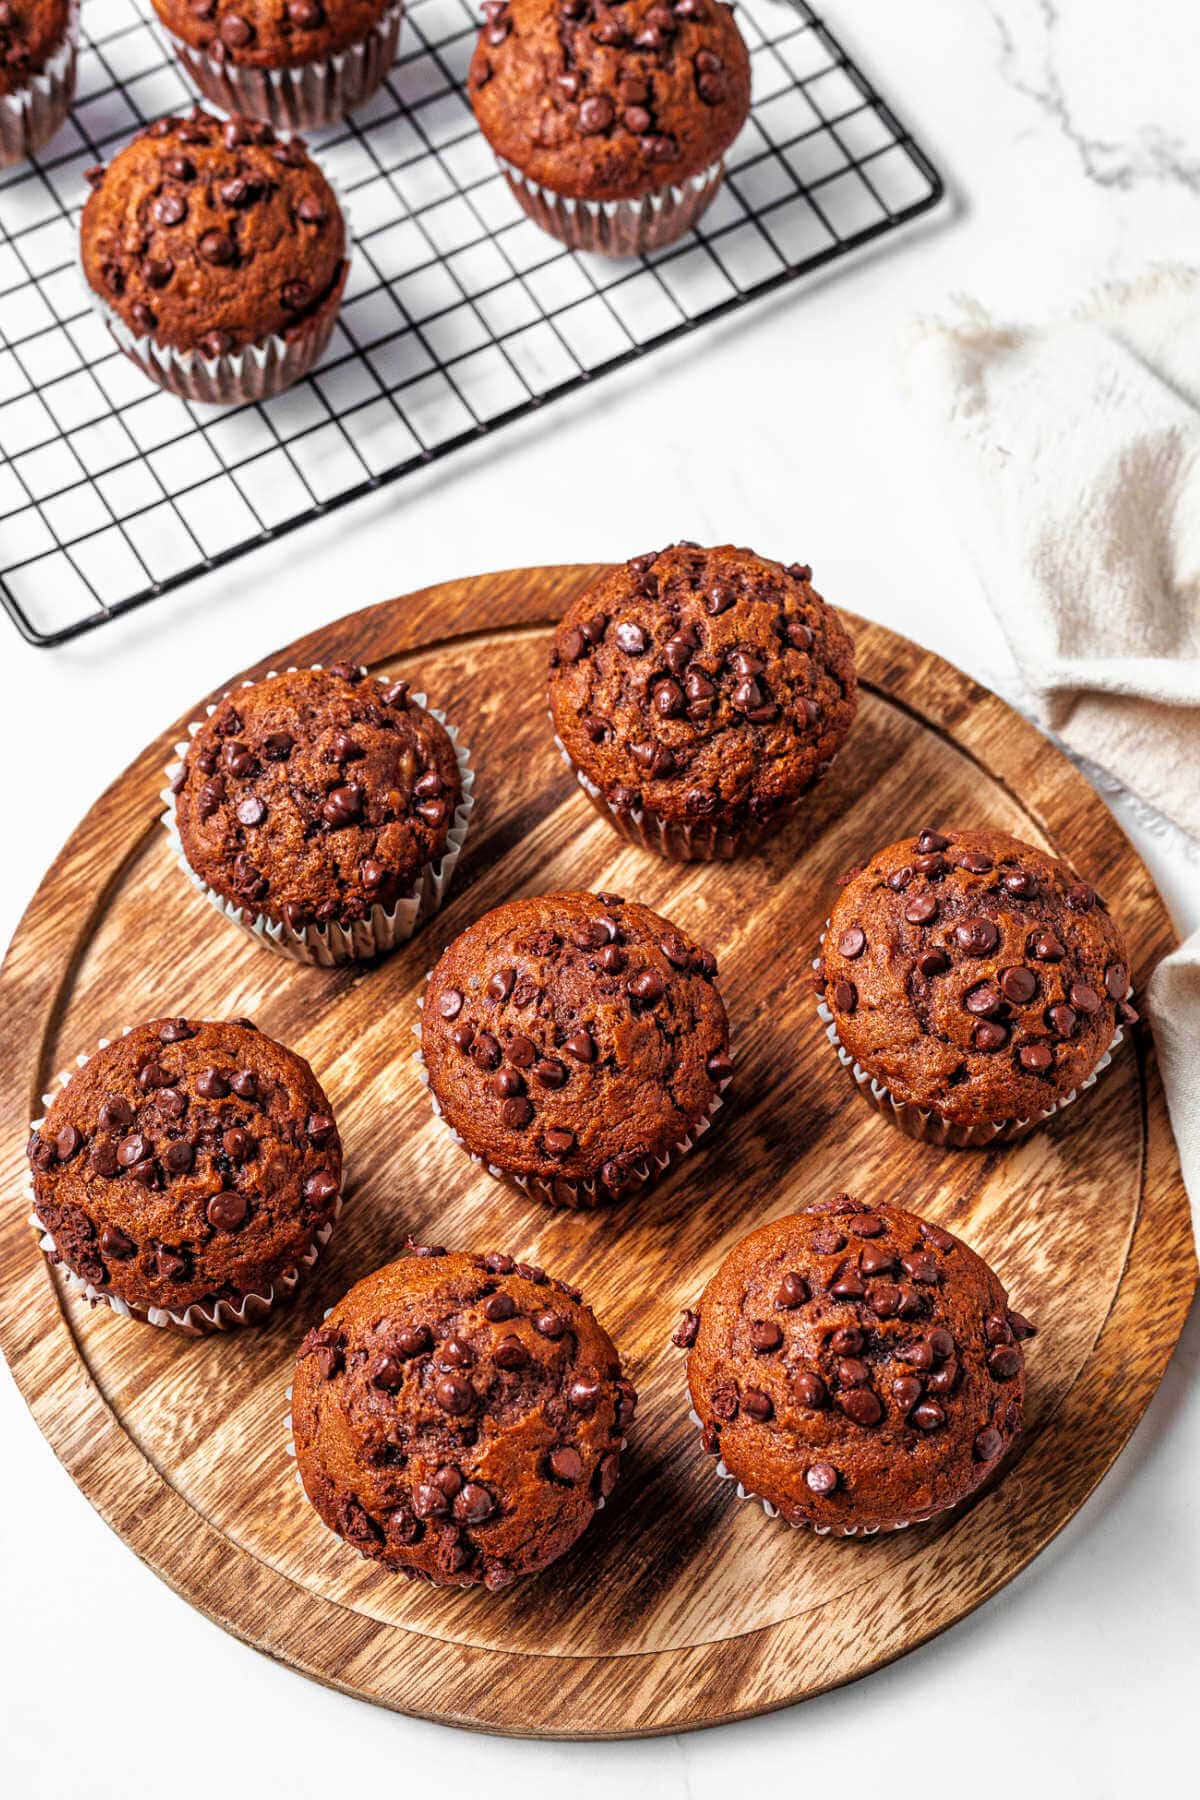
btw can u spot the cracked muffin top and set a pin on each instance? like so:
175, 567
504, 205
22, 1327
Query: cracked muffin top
188, 1160
574, 1036
315, 795
976, 976
459, 1417
270, 34
30, 32
702, 684
212, 234
856, 1366
608, 102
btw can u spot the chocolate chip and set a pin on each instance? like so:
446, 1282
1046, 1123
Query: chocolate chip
473, 1504
450, 1003
852, 1373
928, 1415
1116, 981
251, 811
580, 1046
941, 1342
983, 1000
1019, 985
847, 1287
687, 1331
216, 247
320, 1187
500, 986
810, 1391
244, 1084
454, 1393
906, 1391
631, 639
921, 909
765, 1335
179, 1156
102, 1158
988, 1444
862, 1406
115, 1113
757, 1404
559, 1141
876, 1259
941, 1240
485, 1050
510, 1353
918, 1355
114, 1243
170, 1265
976, 937
932, 962
793, 1291
1047, 948
1004, 1362
131, 1150
550, 1073
343, 805
822, 1478
226, 1210
885, 1300
516, 1112
1036, 1058
828, 1242
1084, 998
647, 986
550, 1325
847, 1340
565, 1463
845, 996
852, 942
169, 209
1063, 1019
989, 1034
584, 1394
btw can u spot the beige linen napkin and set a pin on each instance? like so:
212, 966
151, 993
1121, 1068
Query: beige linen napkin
1070, 457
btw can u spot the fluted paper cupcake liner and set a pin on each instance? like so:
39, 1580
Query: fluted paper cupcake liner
928, 1127
202, 1318
300, 98
30, 116
683, 840
569, 1194
617, 227
384, 927
773, 1512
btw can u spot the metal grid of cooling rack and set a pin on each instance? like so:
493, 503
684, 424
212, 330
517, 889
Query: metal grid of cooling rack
460, 315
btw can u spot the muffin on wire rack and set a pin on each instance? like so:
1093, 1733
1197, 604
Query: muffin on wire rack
187, 1173
216, 253
611, 122
973, 985
460, 1418
38, 41
855, 1368
298, 64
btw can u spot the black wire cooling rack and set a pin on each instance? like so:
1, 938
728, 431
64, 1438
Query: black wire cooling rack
460, 314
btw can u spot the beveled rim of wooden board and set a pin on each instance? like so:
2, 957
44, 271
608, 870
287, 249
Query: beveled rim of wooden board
650, 1691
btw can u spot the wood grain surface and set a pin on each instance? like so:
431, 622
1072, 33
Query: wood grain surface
681, 1606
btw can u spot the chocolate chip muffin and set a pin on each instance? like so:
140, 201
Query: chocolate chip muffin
699, 694
575, 1043
323, 810
295, 63
973, 984
218, 253
37, 72
187, 1173
611, 122
460, 1418
855, 1368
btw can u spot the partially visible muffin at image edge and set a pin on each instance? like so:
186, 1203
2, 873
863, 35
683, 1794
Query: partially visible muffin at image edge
460, 1417
575, 1043
37, 73
856, 1367
977, 982
296, 63
322, 805
187, 1168
699, 694
611, 123
217, 252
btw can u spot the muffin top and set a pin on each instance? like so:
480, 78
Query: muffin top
30, 33
459, 1417
315, 795
604, 102
976, 976
702, 684
270, 34
212, 234
184, 1161
574, 1036
856, 1366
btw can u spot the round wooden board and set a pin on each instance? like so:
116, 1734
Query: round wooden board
681, 1606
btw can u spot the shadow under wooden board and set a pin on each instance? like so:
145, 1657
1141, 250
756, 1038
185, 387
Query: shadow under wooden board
681, 1606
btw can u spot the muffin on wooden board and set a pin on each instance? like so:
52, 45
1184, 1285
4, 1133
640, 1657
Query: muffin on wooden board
296, 63
699, 694
217, 253
611, 122
855, 1367
575, 1043
459, 1418
973, 984
323, 810
38, 41
187, 1173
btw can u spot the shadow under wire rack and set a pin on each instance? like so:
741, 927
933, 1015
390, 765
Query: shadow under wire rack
460, 314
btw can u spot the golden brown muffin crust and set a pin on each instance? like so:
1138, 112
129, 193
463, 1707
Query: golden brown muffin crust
702, 684
188, 1160
607, 102
459, 1417
212, 234
317, 794
30, 32
975, 975
856, 1366
271, 34
574, 1035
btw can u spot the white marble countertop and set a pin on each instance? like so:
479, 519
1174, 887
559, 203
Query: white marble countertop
1069, 136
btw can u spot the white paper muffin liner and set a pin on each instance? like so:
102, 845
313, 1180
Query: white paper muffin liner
617, 227
384, 927
929, 1127
773, 1512
202, 1318
31, 115
300, 98
683, 840
561, 1192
